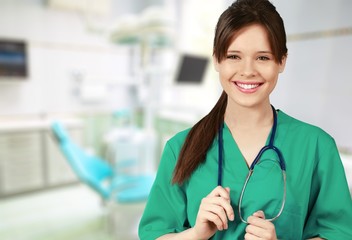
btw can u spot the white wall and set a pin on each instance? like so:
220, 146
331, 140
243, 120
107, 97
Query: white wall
317, 86
60, 46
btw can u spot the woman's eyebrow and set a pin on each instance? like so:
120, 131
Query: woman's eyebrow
261, 52
233, 51
268, 52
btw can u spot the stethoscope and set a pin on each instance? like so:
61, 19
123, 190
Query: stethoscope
270, 146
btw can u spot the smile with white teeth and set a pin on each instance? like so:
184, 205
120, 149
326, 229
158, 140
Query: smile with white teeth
247, 86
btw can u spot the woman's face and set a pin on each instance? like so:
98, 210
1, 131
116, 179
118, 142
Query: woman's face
249, 72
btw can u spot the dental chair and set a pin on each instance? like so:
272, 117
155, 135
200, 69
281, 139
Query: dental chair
111, 183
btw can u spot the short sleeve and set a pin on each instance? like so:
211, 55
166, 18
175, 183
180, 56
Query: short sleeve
330, 205
165, 211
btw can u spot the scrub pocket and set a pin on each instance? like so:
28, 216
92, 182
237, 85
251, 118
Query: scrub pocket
289, 225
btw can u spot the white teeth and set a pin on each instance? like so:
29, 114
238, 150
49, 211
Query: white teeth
247, 86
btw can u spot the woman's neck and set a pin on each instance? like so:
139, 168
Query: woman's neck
239, 117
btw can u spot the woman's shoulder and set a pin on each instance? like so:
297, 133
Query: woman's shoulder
298, 127
179, 138
173, 147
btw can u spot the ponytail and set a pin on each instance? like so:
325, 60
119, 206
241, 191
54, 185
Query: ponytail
198, 141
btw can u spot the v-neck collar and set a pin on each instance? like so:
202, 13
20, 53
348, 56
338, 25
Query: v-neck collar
232, 152
233, 160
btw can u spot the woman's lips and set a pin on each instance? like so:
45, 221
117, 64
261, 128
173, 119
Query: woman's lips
247, 87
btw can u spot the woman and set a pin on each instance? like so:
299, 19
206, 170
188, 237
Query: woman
198, 192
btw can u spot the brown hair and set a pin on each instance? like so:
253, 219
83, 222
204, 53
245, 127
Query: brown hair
240, 14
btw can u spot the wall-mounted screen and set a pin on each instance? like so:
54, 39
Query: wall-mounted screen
13, 59
191, 69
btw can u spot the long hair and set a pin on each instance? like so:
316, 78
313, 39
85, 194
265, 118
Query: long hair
240, 14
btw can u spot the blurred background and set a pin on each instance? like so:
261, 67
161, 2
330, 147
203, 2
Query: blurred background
120, 78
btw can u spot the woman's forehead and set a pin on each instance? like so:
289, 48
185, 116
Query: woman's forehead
250, 37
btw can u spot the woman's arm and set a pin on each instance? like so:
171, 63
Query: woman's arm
188, 234
330, 206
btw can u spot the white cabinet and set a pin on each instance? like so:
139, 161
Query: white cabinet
21, 162
30, 159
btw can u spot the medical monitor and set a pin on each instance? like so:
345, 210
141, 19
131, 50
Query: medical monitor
191, 69
13, 59
193, 89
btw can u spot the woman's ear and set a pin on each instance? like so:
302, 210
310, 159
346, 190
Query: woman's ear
216, 63
283, 64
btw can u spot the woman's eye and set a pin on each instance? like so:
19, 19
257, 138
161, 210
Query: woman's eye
233, 57
263, 58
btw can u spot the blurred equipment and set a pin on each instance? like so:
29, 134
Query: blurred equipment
151, 38
192, 69
128, 143
13, 59
154, 27
96, 7
111, 183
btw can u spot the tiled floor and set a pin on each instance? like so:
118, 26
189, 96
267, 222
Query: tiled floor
70, 213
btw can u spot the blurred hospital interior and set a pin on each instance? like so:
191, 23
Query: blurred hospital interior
90, 91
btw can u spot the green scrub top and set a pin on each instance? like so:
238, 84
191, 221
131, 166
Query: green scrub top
318, 201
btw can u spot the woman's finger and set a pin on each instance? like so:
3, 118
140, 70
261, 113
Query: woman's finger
249, 236
259, 214
220, 192
214, 218
214, 208
259, 227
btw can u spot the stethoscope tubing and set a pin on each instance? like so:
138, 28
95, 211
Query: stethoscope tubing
270, 146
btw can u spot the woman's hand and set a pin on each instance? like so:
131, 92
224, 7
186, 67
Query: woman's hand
213, 214
259, 228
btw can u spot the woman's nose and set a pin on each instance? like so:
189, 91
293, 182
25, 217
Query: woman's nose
247, 68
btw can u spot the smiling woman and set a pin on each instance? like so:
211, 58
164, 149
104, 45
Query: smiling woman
249, 67
249, 54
